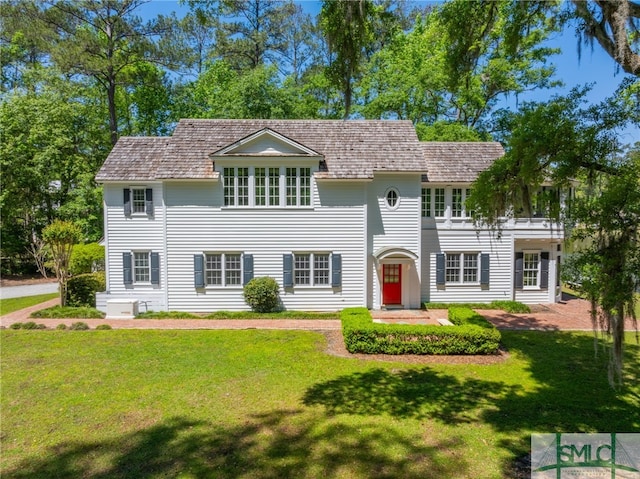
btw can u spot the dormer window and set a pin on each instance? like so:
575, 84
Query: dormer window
267, 186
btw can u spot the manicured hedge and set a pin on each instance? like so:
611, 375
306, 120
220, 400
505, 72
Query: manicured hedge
471, 334
82, 289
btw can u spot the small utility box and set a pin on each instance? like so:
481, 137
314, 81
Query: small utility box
122, 308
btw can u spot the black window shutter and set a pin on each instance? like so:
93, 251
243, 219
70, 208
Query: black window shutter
518, 277
336, 270
484, 268
127, 201
287, 270
155, 268
439, 268
198, 270
247, 267
148, 197
126, 268
544, 270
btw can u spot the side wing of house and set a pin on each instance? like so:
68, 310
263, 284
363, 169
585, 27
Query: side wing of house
463, 264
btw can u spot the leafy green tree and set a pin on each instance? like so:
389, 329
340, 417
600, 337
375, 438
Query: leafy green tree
457, 63
60, 236
100, 39
561, 141
606, 262
51, 146
348, 27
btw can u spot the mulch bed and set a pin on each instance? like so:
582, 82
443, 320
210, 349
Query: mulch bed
336, 347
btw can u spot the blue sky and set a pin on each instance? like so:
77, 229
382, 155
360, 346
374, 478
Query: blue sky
594, 67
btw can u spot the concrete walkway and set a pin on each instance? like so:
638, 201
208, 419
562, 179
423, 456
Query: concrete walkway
571, 314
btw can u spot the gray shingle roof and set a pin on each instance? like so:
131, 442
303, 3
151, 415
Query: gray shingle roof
134, 158
458, 161
351, 149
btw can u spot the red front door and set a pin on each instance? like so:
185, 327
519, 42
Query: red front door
391, 284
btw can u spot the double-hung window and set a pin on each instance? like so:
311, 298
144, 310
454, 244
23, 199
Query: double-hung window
223, 269
138, 200
531, 270
461, 268
141, 267
311, 269
263, 186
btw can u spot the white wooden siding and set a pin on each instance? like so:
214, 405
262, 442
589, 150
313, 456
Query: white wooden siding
397, 227
196, 223
461, 241
137, 232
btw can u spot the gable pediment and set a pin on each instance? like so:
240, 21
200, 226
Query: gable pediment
266, 142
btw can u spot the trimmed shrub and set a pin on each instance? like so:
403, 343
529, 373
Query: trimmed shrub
16, 326
79, 326
472, 334
28, 325
167, 315
82, 289
60, 312
86, 258
101, 327
61, 326
261, 294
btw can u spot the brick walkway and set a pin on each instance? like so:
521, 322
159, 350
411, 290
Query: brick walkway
572, 314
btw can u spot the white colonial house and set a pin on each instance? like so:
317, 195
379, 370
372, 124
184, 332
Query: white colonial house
340, 213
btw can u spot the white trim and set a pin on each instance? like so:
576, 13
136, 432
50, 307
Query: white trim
392, 189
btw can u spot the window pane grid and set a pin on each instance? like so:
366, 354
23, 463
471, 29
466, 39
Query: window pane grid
530, 269
233, 269
260, 187
470, 272
141, 267
274, 186
321, 269
439, 201
305, 186
452, 268
243, 186
291, 186
213, 270
467, 193
426, 202
229, 186
456, 202
138, 200
302, 267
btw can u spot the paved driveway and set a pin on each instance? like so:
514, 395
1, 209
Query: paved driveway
28, 290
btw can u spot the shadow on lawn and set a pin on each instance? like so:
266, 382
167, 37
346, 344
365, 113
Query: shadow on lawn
572, 394
269, 446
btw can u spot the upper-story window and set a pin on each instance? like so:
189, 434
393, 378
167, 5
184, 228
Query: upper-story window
426, 202
267, 186
392, 198
436, 200
439, 202
138, 201
456, 202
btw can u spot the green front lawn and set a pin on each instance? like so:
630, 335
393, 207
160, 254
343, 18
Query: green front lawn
10, 305
271, 404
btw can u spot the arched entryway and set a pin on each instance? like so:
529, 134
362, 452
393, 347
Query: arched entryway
397, 278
